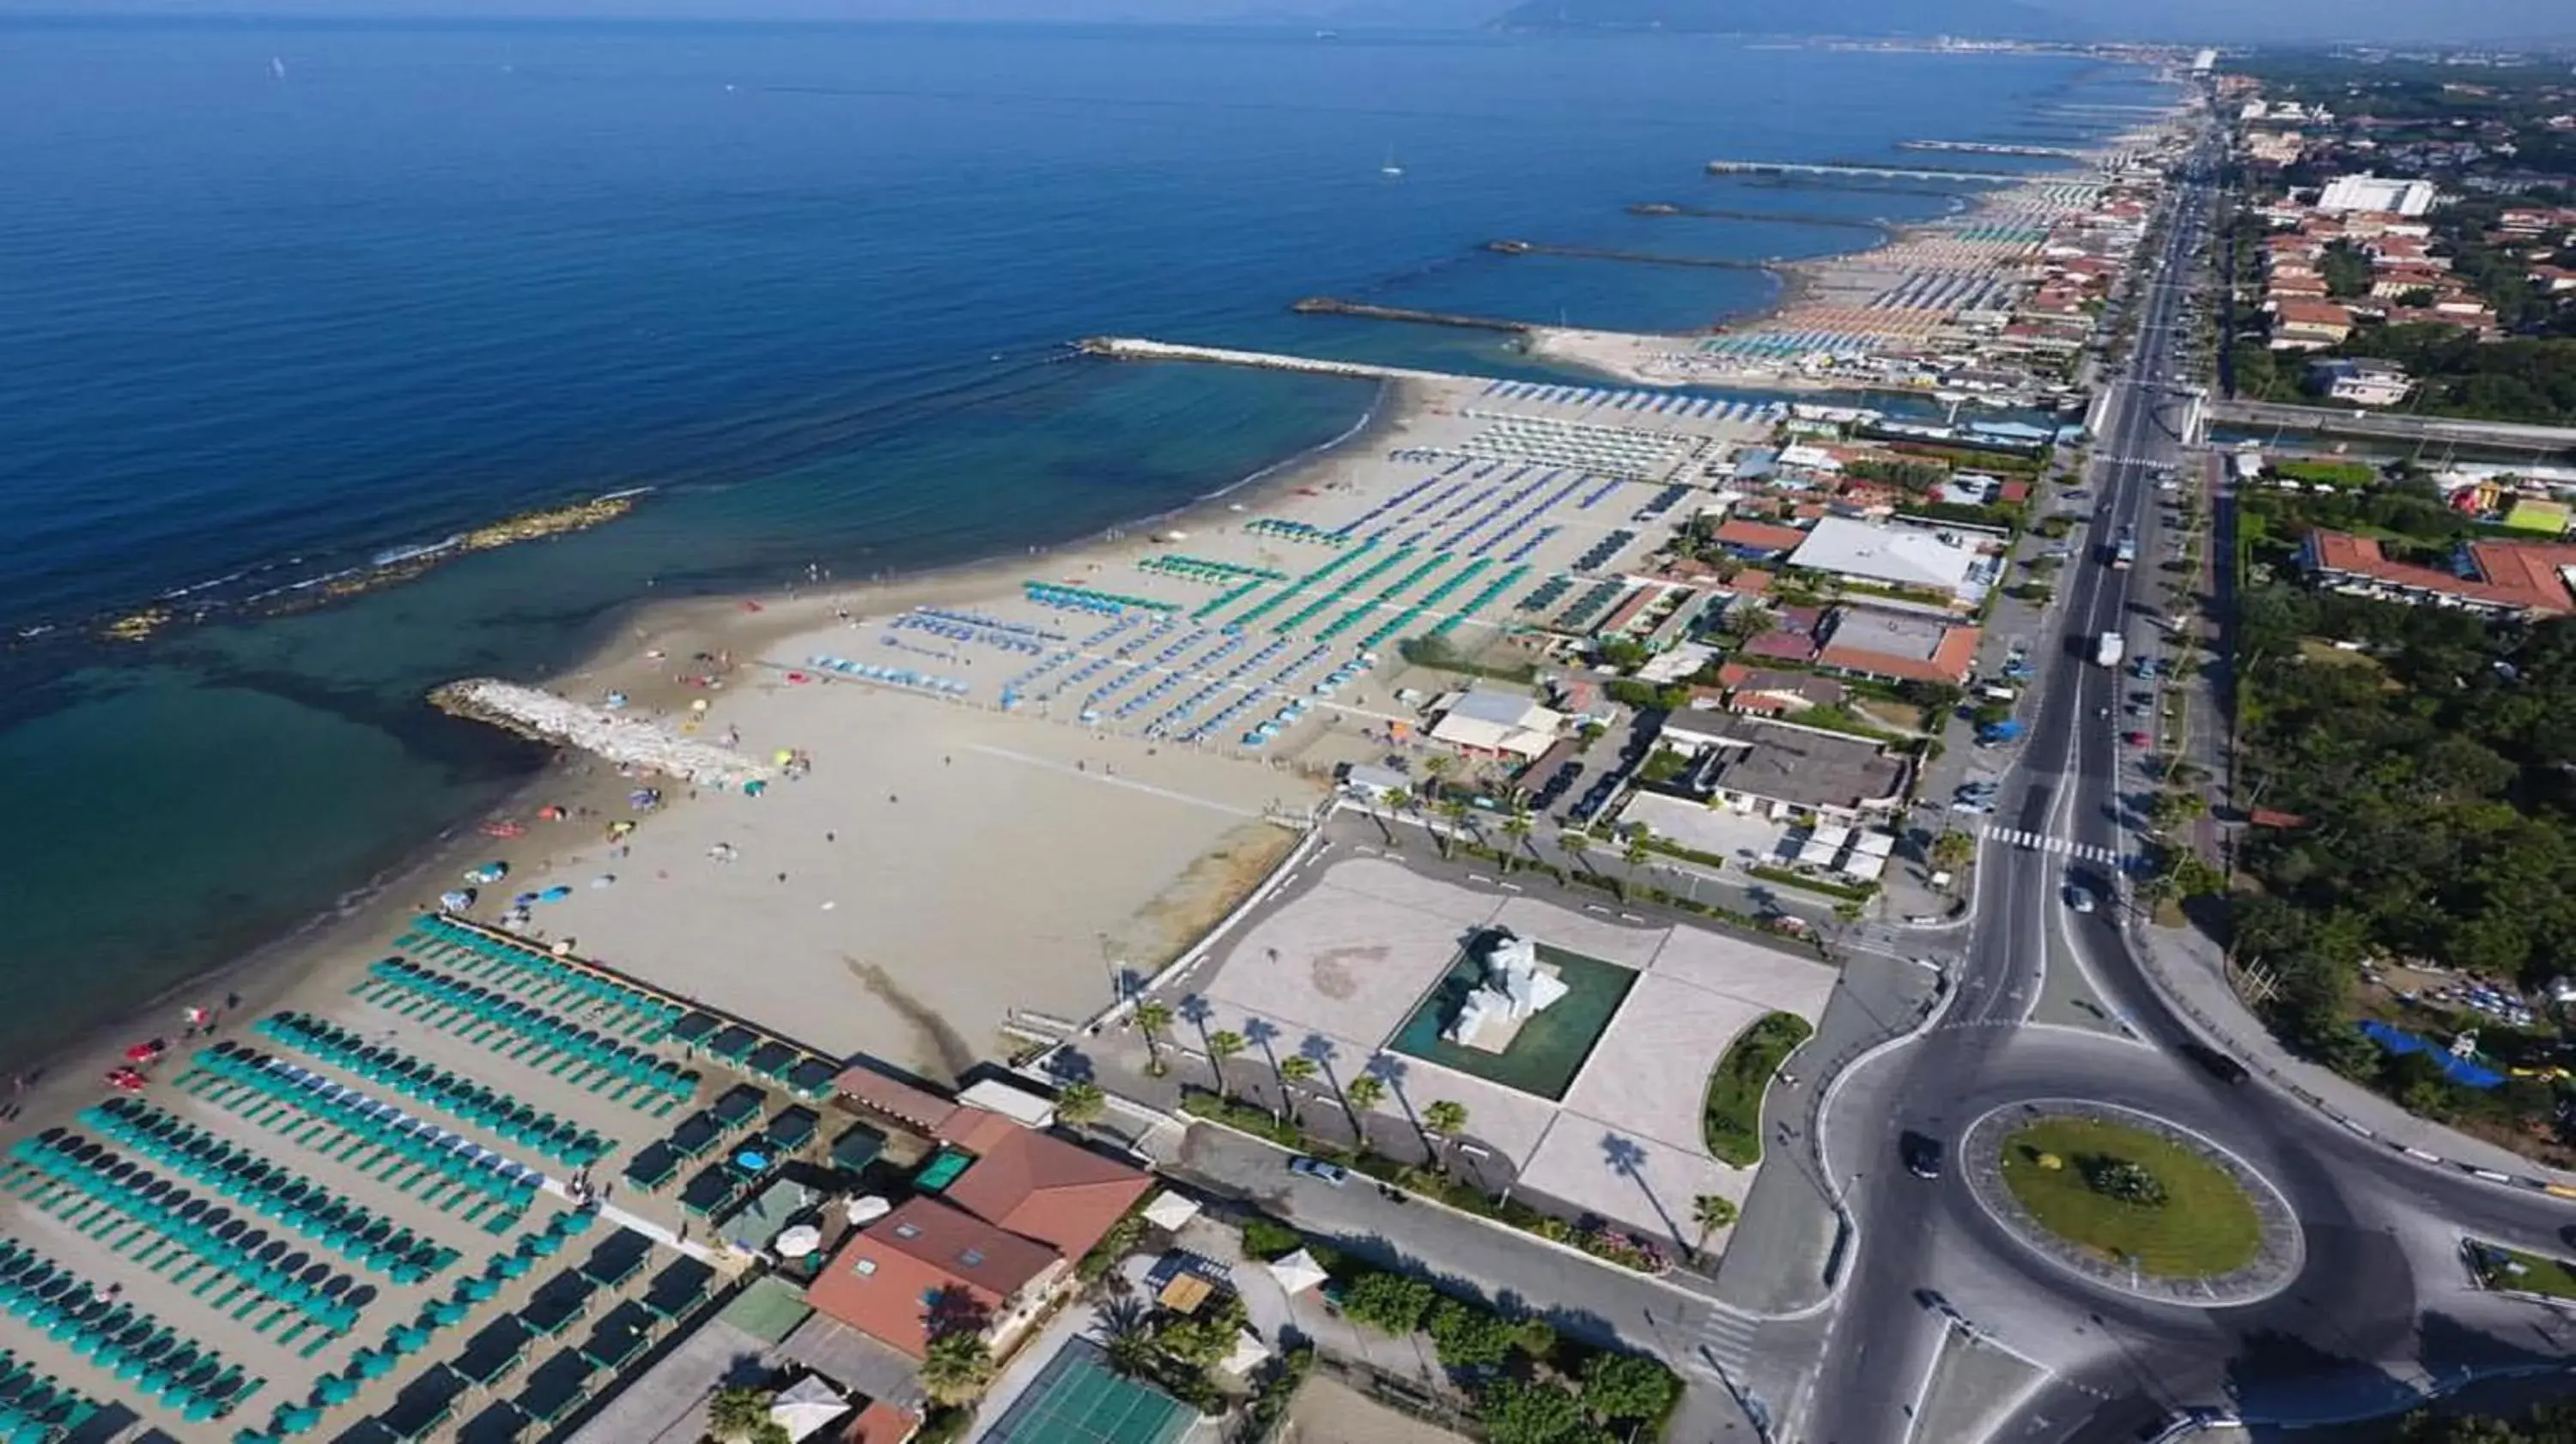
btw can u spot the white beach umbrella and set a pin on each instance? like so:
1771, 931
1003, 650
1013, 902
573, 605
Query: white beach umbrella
1298, 1272
799, 1241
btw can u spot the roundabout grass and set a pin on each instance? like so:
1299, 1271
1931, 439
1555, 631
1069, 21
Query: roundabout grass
2205, 1224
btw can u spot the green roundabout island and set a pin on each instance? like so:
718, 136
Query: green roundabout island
2132, 1200
2132, 1196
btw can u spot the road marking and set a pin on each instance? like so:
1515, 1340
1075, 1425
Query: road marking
1723, 1345
2062, 846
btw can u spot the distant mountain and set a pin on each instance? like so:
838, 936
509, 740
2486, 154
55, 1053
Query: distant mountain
1793, 17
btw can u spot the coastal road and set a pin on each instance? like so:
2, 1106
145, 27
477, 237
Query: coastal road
2380, 1312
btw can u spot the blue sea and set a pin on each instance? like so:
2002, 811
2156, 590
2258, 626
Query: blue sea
276, 298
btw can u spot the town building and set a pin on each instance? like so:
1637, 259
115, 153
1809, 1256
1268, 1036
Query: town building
1782, 770
1944, 563
993, 1251
2367, 192
2519, 580
1893, 646
2358, 381
1490, 722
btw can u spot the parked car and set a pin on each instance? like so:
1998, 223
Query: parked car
2079, 897
1320, 1171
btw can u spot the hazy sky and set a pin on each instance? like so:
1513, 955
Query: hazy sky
2462, 20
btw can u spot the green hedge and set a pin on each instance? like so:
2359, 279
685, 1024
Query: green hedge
1848, 892
1731, 1119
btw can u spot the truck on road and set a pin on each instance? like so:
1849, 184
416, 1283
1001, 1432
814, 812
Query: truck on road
2107, 649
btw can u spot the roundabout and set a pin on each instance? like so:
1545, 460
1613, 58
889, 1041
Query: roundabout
2132, 1202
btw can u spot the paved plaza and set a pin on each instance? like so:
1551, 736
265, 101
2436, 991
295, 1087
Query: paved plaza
1335, 969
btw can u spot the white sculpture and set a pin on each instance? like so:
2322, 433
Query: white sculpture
1512, 990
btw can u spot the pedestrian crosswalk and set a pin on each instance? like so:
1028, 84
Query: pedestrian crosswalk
1723, 1346
2064, 847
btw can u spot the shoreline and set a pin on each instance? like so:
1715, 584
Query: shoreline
748, 620
341, 939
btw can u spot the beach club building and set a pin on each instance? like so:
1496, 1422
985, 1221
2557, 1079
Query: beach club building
1781, 770
1490, 722
1941, 563
988, 1252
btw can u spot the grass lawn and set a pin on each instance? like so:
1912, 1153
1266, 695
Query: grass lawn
2206, 1225
1731, 1119
2540, 1275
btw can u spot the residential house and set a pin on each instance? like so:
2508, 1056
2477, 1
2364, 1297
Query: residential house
1757, 540
2495, 578
2357, 381
1891, 646
2300, 325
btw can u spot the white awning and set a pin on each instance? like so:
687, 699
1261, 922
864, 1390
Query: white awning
1169, 1211
1298, 1272
806, 1405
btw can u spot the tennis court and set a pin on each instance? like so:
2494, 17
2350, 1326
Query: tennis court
1077, 1399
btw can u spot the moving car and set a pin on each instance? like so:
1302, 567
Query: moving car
1320, 1171
1921, 1154
2218, 1065
2079, 897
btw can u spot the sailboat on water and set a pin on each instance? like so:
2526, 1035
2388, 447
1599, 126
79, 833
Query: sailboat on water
276, 68
1390, 168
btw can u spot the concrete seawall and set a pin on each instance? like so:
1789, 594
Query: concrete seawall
1130, 348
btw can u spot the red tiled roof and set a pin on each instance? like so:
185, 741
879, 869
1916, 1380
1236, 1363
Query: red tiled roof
1760, 536
2519, 575
1037, 1185
916, 1107
1951, 659
1751, 582
925, 1268
882, 1423
2314, 313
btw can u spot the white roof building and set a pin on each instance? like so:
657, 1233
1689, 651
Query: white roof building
1486, 720
1893, 556
2367, 192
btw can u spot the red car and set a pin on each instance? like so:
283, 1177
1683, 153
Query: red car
125, 1080
2137, 739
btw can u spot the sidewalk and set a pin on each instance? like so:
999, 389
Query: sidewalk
2189, 970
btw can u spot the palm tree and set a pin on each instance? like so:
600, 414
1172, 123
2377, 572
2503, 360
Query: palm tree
1446, 1119
1297, 1068
1359, 1096
1222, 1044
1518, 827
1080, 1104
1634, 854
736, 1414
1576, 843
1438, 766
1952, 851
956, 1368
1455, 813
1711, 1211
1153, 1020
1848, 911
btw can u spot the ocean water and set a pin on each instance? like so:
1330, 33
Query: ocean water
275, 298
